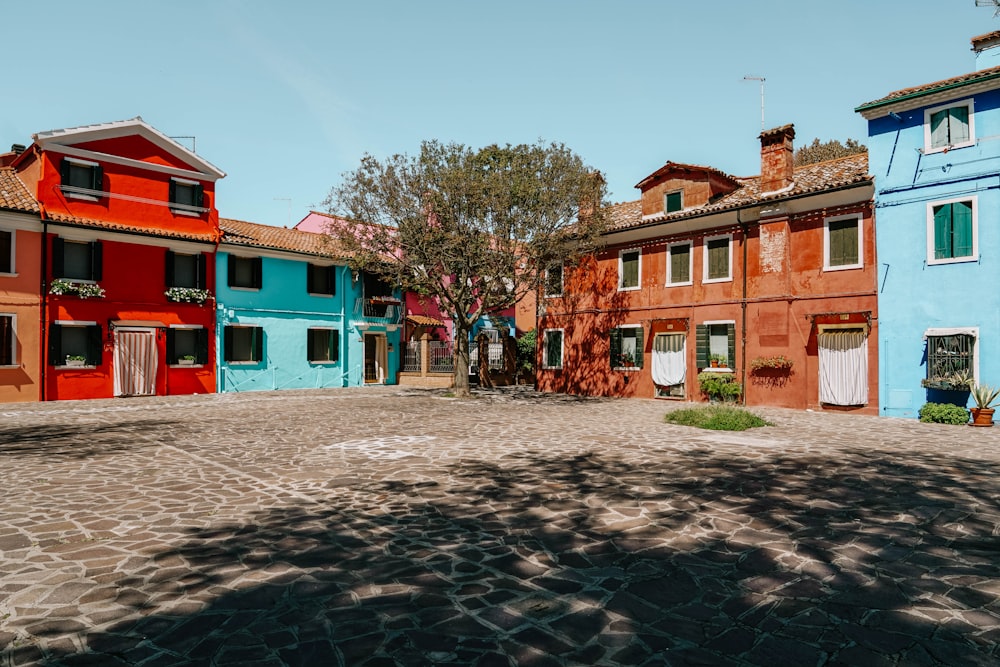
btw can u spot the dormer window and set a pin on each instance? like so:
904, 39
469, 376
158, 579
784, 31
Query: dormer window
81, 179
186, 197
673, 201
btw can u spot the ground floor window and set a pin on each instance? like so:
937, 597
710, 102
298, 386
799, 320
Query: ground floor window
669, 362
8, 340
244, 344
552, 348
187, 345
716, 345
75, 344
950, 354
323, 345
625, 344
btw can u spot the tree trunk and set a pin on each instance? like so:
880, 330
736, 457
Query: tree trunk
461, 362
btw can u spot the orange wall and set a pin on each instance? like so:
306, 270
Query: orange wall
19, 296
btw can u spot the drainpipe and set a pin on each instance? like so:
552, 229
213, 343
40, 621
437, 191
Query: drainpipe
43, 333
744, 227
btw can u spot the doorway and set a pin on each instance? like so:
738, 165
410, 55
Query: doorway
376, 358
135, 362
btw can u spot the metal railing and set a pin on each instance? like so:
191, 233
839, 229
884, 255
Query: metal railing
442, 358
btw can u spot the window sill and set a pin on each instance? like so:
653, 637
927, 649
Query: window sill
629, 289
186, 365
323, 363
717, 370
844, 267
684, 284
4, 274
189, 214
238, 288
553, 296
929, 150
708, 281
954, 260
627, 369
320, 295
76, 195
77, 368
9, 367
244, 363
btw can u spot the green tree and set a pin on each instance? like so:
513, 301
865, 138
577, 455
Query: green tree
472, 229
822, 151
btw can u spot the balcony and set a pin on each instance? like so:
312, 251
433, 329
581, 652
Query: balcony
379, 310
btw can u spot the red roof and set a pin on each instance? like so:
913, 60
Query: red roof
255, 235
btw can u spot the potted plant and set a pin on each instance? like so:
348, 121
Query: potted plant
186, 360
718, 360
985, 397
75, 360
779, 363
719, 387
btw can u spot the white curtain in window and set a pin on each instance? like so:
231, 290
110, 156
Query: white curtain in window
669, 361
843, 368
135, 363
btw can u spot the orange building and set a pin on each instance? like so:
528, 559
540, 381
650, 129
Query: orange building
767, 282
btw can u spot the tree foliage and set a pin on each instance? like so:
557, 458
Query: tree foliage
472, 229
819, 151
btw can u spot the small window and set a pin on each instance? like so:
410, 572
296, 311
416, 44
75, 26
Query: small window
244, 344
186, 197
949, 127
947, 355
6, 251
716, 345
554, 279
679, 263
552, 349
843, 242
952, 232
81, 179
321, 280
626, 348
76, 260
75, 343
185, 270
245, 272
717, 259
629, 267
673, 201
187, 345
323, 345
8, 340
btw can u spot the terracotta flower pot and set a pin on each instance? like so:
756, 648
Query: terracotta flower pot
982, 417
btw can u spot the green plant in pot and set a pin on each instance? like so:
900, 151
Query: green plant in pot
985, 397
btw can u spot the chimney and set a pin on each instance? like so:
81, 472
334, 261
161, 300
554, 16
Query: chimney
776, 158
17, 149
987, 53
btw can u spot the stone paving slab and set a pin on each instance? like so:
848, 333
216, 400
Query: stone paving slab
390, 526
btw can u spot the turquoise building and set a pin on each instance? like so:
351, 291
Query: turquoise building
934, 150
291, 316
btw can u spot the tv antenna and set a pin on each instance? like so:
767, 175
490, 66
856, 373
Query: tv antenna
750, 77
990, 3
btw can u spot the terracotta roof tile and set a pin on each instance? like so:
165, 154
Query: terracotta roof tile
14, 194
928, 88
254, 235
808, 179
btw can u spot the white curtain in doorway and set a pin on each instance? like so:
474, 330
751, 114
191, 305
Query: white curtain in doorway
135, 363
843, 367
669, 363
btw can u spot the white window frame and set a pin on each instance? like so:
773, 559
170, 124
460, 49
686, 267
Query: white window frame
974, 257
969, 331
860, 264
562, 278
720, 369
950, 105
673, 192
545, 349
639, 351
670, 264
14, 362
621, 266
729, 276
13, 253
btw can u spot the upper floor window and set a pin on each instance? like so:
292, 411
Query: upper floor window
949, 126
245, 272
243, 344
554, 279
952, 232
679, 263
76, 260
186, 197
185, 270
8, 349
718, 264
321, 280
629, 269
6, 251
842, 243
673, 201
81, 179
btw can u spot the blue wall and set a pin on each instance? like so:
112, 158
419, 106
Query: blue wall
914, 295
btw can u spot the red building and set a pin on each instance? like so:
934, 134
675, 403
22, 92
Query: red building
768, 282
129, 231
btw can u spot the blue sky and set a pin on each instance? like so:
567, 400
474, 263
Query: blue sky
287, 96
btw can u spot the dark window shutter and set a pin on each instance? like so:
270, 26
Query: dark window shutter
199, 195
58, 257
334, 338
731, 347
615, 347
55, 344
258, 272
6, 340
168, 265
96, 260
639, 351
172, 192
331, 280
231, 261
95, 346
202, 265
97, 173
311, 287
64, 169
201, 346
227, 345
310, 344
701, 345
258, 343
171, 337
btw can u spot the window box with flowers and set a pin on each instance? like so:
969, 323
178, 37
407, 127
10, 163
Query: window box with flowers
188, 295
62, 286
775, 364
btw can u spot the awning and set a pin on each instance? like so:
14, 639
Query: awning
424, 321
676, 325
138, 323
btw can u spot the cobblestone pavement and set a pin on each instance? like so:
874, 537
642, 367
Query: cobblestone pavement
384, 526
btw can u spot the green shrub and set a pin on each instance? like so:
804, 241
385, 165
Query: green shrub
526, 345
716, 418
720, 386
943, 413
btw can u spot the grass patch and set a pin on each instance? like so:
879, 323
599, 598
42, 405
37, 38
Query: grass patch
716, 418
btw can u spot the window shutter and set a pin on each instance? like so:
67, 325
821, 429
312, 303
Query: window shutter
97, 173
958, 125
334, 338
331, 280
701, 345
731, 348
961, 225
172, 192
168, 270
939, 129
201, 346
55, 344
95, 345
257, 272
310, 344
227, 344
64, 168
942, 232
202, 266
231, 270
615, 347
680, 264
6, 340
258, 343
171, 337
58, 261
96, 260
718, 258
639, 350
849, 236
199, 195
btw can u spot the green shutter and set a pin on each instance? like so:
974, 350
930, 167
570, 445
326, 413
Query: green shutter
553, 349
961, 229
639, 351
843, 235
958, 125
64, 171
942, 232
939, 129
701, 345
718, 258
731, 344
680, 263
673, 202
227, 345
258, 344
199, 195
333, 338
630, 269
615, 347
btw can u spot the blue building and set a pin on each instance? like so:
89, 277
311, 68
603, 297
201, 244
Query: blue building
934, 151
291, 316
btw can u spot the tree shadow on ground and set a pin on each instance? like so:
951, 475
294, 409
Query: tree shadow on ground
699, 557
78, 440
